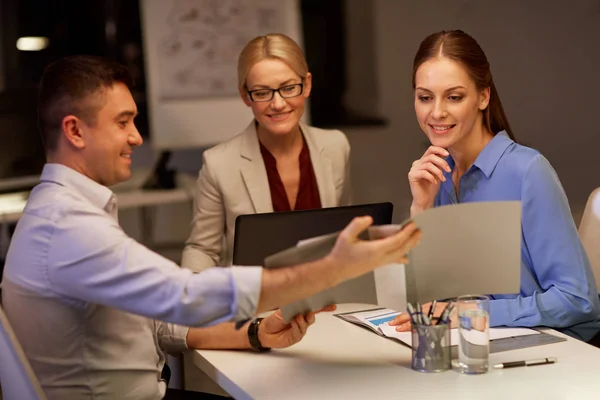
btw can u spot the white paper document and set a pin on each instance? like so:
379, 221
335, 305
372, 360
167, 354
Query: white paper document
495, 333
378, 321
465, 248
373, 319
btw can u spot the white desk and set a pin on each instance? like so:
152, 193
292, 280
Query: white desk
338, 360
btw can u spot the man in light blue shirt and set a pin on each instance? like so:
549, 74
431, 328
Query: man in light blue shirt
93, 309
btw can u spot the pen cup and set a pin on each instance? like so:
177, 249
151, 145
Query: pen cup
431, 348
473, 334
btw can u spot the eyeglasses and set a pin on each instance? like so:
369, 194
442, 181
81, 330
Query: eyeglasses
286, 92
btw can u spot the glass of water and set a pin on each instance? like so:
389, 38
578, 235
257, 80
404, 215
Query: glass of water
474, 333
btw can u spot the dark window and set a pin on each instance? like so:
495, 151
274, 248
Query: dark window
326, 43
109, 28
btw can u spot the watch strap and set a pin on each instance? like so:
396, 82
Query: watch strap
253, 335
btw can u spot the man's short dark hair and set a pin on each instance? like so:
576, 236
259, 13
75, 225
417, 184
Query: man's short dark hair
68, 87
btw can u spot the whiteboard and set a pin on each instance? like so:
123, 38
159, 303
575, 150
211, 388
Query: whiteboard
191, 49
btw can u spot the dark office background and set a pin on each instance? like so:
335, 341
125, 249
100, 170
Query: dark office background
544, 57
111, 28
107, 28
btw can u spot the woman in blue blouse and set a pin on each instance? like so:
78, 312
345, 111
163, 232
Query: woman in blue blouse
474, 157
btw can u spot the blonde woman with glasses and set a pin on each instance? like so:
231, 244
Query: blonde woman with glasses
276, 164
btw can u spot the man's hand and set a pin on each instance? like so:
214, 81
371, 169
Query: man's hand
355, 257
274, 333
402, 321
350, 257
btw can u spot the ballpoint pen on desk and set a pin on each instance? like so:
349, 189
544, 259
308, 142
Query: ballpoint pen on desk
432, 310
419, 313
412, 313
426, 320
446, 319
527, 363
419, 317
445, 315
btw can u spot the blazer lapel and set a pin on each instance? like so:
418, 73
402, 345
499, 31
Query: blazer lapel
322, 166
254, 173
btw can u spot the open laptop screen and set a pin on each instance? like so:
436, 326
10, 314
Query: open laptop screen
260, 235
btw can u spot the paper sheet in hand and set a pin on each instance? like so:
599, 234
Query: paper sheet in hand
356, 290
465, 248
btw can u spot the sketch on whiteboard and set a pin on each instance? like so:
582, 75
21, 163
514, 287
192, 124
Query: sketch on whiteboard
201, 41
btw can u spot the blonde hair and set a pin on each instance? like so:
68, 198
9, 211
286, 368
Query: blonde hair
271, 46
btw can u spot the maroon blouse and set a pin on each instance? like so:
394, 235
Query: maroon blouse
308, 191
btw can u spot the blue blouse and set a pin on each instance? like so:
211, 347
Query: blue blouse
558, 289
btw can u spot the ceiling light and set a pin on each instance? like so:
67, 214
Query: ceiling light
32, 43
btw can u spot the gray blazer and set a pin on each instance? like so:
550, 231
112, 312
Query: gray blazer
233, 181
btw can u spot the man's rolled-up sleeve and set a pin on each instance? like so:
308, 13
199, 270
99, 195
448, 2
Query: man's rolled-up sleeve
172, 338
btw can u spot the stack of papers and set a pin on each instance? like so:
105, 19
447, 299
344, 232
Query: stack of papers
378, 321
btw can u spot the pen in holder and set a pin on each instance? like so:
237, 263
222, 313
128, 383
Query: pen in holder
431, 347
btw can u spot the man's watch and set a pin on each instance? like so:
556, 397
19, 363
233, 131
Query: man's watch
253, 335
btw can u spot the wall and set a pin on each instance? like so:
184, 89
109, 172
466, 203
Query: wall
1, 49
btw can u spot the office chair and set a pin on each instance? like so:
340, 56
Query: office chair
589, 232
16, 376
